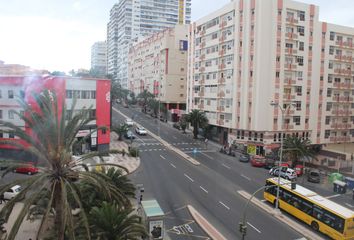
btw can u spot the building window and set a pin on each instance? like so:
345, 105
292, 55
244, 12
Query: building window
328, 106
0, 94
301, 46
1, 135
11, 135
69, 94
11, 114
328, 119
301, 30
0, 114
255, 136
93, 94
85, 94
104, 131
298, 106
327, 133
11, 94
277, 74
301, 15
331, 36
300, 60
329, 92
298, 90
296, 120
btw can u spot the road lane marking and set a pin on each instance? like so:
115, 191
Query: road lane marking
224, 205
162, 156
349, 205
245, 177
189, 177
206, 155
333, 196
226, 166
263, 200
203, 189
254, 227
172, 165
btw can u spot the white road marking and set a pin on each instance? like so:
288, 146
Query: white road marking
189, 177
172, 165
224, 205
349, 205
206, 155
245, 177
226, 166
333, 196
263, 200
254, 227
162, 156
203, 189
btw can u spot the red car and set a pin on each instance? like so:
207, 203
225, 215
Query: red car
28, 168
258, 161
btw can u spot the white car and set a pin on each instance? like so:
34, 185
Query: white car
129, 122
140, 130
12, 192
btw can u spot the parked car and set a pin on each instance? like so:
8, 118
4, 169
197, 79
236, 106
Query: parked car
258, 161
12, 192
129, 122
27, 168
314, 176
285, 172
244, 158
129, 135
140, 130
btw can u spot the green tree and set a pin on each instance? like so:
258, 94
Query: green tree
52, 136
144, 98
111, 222
121, 130
296, 148
197, 120
183, 123
153, 104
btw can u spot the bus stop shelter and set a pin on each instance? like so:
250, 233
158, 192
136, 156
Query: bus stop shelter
153, 216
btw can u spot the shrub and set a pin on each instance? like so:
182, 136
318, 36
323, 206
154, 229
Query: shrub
134, 152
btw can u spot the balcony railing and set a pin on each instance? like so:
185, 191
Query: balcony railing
292, 20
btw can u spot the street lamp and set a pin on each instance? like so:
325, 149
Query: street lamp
283, 111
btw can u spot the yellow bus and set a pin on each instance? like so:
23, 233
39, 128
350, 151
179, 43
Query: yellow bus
319, 212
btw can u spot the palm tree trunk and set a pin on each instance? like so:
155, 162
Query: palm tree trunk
195, 131
59, 214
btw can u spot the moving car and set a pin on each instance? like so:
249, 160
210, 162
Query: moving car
258, 161
129, 135
314, 176
12, 192
129, 122
244, 158
28, 168
285, 172
140, 130
299, 169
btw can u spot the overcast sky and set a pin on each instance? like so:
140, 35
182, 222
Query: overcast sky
58, 34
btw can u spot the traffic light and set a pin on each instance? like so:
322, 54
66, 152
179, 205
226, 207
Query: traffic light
242, 228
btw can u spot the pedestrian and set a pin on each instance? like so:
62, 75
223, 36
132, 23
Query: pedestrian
206, 142
123, 152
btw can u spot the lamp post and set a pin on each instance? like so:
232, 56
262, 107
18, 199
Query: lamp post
283, 111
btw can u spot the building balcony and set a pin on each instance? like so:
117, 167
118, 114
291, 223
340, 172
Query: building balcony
290, 51
201, 106
342, 85
202, 45
222, 66
348, 44
202, 57
220, 108
223, 24
290, 66
221, 94
339, 139
288, 126
292, 20
291, 36
343, 71
288, 97
223, 38
202, 69
289, 81
221, 80
220, 122
342, 99
201, 94
202, 33
222, 52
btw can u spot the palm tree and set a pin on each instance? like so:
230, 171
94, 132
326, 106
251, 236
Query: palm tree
111, 222
297, 148
121, 130
51, 140
197, 120
144, 98
183, 124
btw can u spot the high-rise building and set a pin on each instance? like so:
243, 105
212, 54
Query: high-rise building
131, 20
99, 58
158, 64
252, 52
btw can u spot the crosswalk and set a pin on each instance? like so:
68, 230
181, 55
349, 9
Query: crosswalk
175, 144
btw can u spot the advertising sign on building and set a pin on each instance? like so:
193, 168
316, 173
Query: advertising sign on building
251, 149
183, 45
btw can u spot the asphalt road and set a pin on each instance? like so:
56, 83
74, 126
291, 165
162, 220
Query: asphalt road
211, 187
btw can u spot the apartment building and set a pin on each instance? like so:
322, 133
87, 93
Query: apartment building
99, 58
251, 53
88, 92
130, 20
158, 64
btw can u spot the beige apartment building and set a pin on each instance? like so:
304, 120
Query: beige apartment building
159, 64
253, 52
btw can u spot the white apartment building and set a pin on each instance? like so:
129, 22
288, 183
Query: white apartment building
99, 58
252, 52
159, 65
131, 20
